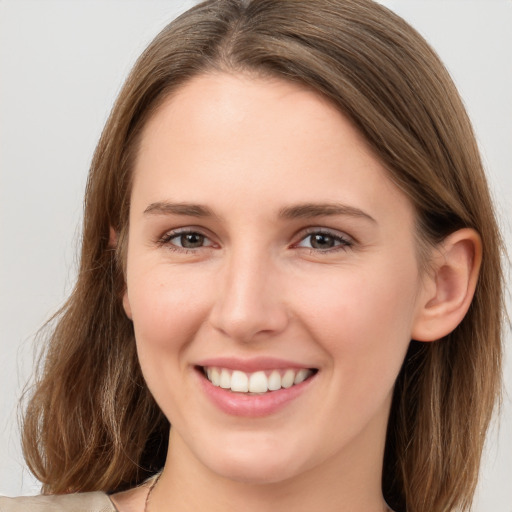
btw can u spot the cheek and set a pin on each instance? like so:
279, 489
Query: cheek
167, 310
363, 319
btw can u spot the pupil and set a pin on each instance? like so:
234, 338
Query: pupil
320, 241
192, 240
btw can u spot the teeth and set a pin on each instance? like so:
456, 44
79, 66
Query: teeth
239, 382
225, 379
257, 382
214, 376
287, 379
274, 381
301, 376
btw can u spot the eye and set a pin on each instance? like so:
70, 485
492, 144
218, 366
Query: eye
324, 241
185, 240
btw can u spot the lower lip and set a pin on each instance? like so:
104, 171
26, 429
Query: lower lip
252, 406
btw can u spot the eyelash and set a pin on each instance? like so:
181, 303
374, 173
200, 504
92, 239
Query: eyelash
343, 242
166, 240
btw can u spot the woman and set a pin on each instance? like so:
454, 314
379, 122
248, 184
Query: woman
282, 199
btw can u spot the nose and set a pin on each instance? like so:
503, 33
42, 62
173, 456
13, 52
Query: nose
249, 303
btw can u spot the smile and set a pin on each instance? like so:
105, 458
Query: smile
257, 382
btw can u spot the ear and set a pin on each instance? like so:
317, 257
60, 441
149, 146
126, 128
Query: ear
112, 238
126, 304
112, 243
449, 287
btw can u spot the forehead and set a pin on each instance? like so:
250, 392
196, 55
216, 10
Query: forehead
250, 104
220, 133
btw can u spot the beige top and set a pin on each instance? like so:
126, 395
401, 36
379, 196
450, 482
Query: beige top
80, 502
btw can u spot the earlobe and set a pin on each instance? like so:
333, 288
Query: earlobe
112, 239
449, 289
126, 305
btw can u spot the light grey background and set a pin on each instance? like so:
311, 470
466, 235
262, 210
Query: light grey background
62, 64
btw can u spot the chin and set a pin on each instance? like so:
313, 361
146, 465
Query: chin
256, 466
249, 473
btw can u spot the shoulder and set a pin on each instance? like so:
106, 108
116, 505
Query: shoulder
81, 502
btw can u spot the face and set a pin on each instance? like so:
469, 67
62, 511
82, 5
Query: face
271, 279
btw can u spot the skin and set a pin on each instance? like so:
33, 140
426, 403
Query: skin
247, 148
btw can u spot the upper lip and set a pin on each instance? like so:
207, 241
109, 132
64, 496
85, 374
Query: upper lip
251, 365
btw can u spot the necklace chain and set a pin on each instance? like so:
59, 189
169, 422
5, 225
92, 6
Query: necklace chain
153, 484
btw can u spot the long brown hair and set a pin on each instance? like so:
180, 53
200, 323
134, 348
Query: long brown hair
91, 423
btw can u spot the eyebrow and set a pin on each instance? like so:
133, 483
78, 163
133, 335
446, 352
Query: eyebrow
309, 210
166, 208
300, 211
